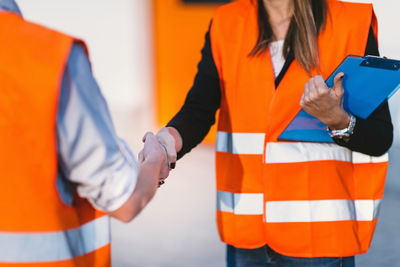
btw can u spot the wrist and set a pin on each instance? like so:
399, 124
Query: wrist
339, 121
344, 133
147, 182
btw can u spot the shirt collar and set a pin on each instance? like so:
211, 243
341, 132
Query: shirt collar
10, 6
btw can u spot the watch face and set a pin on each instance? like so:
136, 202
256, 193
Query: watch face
340, 134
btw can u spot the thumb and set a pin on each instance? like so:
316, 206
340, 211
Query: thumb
338, 84
146, 135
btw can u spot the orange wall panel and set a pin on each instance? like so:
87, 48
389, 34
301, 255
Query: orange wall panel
179, 36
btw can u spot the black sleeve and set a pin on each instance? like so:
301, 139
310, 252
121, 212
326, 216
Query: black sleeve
197, 115
372, 136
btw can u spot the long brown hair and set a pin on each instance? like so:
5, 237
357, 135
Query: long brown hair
308, 20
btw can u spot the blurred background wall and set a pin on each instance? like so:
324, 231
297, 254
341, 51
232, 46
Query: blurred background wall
119, 37
179, 30
144, 55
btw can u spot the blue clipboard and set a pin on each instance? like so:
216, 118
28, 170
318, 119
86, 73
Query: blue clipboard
368, 82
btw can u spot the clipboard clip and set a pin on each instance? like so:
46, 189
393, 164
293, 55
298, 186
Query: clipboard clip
380, 63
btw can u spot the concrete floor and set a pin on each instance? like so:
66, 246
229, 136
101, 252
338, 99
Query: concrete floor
385, 247
178, 227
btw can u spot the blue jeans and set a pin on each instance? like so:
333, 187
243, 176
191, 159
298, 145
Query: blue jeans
266, 257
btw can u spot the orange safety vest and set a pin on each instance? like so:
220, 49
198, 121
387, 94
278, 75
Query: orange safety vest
36, 228
302, 199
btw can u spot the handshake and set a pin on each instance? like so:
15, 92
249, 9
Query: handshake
161, 150
156, 159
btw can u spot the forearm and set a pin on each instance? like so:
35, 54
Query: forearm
372, 136
197, 115
189, 127
114, 183
145, 190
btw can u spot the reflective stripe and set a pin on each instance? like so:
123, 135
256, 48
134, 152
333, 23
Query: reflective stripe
54, 246
300, 152
321, 210
298, 211
282, 152
240, 143
241, 204
362, 158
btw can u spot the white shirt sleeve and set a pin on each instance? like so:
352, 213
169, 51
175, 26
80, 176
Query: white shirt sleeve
89, 152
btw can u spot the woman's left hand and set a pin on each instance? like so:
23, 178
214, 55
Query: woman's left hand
325, 103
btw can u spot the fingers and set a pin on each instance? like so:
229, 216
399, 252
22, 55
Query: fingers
152, 149
320, 85
140, 156
314, 90
155, 153
323, 102
164, 173
163, 142
168, 142
165, 156
171, 153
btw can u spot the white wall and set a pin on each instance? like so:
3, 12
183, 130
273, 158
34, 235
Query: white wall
118, 35
389, 46
389, 36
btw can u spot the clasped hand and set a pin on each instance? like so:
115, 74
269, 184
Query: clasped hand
153, 151
325, 103
160, 147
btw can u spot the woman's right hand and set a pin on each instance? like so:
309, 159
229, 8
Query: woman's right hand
171, 140
154, 154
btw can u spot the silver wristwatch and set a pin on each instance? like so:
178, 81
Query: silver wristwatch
342, 133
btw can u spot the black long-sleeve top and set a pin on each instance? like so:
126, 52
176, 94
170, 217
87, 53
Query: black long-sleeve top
372, 136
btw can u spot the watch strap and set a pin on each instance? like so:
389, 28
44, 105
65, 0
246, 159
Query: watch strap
344, 132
